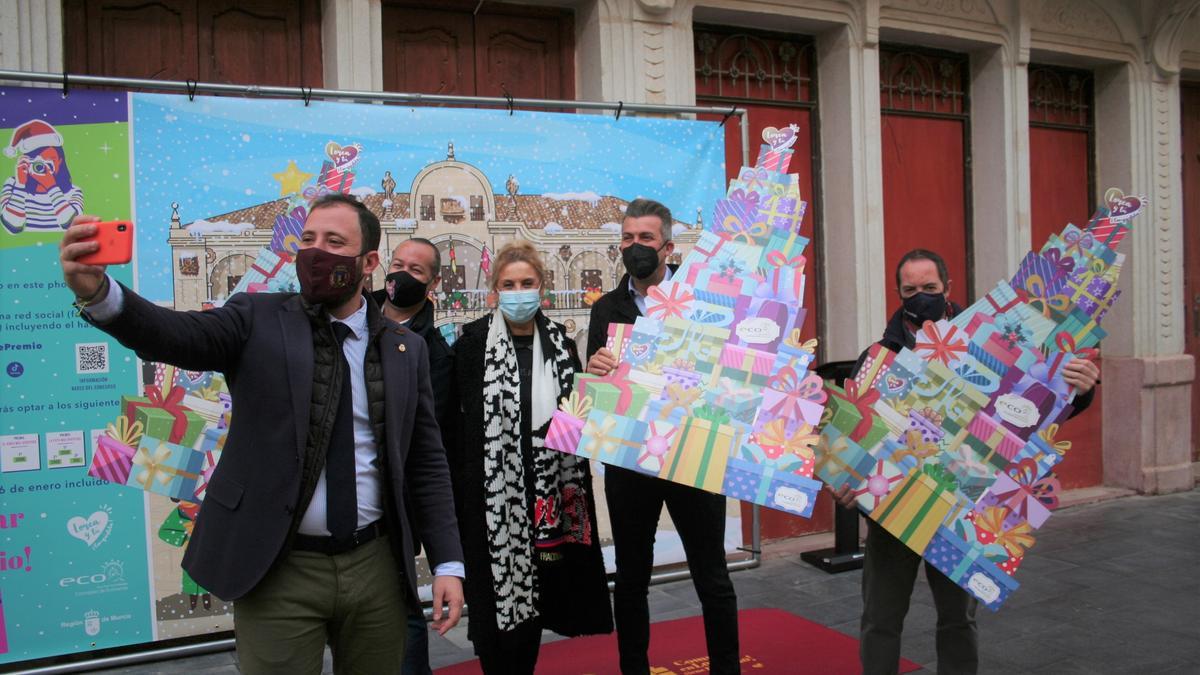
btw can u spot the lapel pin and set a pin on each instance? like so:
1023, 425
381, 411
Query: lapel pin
401, 348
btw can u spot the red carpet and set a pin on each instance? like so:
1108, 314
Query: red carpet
772, 640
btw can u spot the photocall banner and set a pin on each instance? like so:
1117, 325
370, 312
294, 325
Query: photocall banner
218, 189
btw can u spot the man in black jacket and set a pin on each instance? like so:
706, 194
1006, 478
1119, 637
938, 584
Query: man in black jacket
634, 500
306, 524
415, 269
889, 566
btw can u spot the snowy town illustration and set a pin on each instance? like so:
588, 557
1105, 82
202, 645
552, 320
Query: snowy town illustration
449, 202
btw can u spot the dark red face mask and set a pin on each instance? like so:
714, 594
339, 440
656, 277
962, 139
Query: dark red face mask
327, 278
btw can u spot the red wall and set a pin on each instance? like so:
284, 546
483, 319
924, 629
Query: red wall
923, 197
1058, 179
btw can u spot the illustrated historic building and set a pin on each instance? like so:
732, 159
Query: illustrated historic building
454, 205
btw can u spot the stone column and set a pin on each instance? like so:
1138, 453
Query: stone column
637, 51
1147, 377
31, 36
352, 44
1000, 172
852, 185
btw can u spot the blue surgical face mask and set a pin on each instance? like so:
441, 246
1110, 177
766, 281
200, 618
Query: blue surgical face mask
520, 306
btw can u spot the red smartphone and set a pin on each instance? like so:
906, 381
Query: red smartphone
116, 244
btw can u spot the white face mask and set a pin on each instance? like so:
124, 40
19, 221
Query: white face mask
520, 306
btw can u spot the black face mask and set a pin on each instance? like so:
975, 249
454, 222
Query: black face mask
405, 290
640, 260
922, 307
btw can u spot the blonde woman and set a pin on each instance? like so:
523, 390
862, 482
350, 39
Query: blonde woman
526, 513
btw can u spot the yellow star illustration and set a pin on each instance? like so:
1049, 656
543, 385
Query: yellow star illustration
292, 179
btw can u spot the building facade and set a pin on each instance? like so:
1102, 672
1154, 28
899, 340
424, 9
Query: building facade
974, 127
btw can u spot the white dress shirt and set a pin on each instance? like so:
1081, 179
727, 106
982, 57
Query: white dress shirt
638, 298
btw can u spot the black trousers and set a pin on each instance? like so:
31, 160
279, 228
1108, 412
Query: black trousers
889, 572
514, 655
634, 504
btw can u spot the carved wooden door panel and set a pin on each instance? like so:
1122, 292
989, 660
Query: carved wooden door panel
131, 38
923, 96
273, 42
525, 51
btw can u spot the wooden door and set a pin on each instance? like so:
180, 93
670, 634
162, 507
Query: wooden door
268, 42
448, 48
1062, 189
1190, 100
773, 76
926, 159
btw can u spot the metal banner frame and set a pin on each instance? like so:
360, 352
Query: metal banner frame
307, 94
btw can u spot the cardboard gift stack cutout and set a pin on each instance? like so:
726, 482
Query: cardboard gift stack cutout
712, 388
950, 445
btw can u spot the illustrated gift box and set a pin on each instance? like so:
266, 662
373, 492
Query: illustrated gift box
789, 397
882, 479
966, 564
164, 416
784, 448
760, 484
993, 442
566, 424
675, 402
735, 398
855, 416
794, 351
948, 394
670, 299
840, 461
1022, 492
694, 343
994, 526
213, 439
745, 365
660, 436
211, 458
915, 509
166, 468
612, 439
704, 442
614, 392
267, 265
112, 458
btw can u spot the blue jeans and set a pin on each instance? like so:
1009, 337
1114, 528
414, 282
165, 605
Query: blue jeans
416, 651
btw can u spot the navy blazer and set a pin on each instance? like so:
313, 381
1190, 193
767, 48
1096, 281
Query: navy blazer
263, 345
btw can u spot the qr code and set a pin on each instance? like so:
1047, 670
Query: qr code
91, 357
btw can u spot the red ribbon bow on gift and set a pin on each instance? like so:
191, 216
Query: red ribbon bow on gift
863, 399
171, 404
1066, 345
619, 378
939, 347
780, 259
673, 303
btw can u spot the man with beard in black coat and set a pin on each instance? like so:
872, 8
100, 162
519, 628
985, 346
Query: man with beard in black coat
889, 566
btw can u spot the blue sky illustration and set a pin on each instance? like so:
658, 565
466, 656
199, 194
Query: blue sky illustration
215, 155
